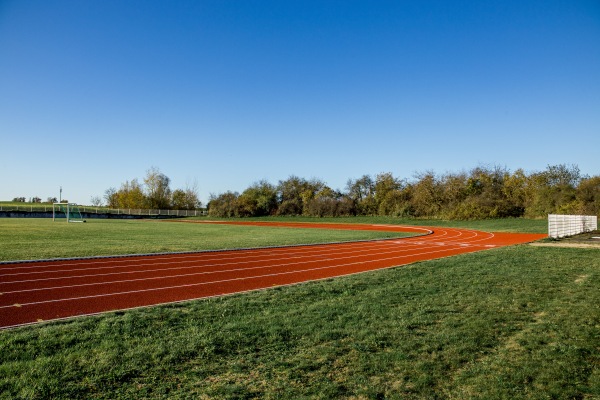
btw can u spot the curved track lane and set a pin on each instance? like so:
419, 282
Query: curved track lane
32, 292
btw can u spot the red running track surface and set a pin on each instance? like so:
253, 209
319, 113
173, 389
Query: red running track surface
39, 291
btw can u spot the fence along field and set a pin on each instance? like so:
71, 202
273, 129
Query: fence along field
568, 225
47, 208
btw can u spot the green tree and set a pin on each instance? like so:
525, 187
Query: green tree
387, 193
588, 196
562, 175
362, 192
553, 191
259, 200
295, 195
515, 189
426, 199
490, 201
130, 195
224, 205
453, 192
179, 200
158, 192
186, 199
327, 203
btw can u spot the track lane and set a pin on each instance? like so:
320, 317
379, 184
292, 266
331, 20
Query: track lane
31, 292
23, 288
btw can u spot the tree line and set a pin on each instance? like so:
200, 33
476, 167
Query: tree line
480, 193
153, 193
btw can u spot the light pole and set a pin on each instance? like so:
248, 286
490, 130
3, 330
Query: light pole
60, 195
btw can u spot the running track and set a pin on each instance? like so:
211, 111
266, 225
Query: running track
33, 292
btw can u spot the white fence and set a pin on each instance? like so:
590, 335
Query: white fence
102, 210
569, 225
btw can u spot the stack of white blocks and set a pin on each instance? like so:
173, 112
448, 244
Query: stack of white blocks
568, 225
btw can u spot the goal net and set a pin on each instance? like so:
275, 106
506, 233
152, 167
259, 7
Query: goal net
69, 211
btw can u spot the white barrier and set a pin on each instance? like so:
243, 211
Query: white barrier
569, 225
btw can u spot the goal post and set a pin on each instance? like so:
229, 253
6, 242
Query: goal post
70, 210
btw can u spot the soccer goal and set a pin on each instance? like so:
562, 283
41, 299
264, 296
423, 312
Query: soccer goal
70, 211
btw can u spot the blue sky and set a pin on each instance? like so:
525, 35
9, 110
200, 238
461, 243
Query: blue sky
225, 93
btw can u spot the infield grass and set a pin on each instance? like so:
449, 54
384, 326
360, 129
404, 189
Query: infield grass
523, 225
30, 239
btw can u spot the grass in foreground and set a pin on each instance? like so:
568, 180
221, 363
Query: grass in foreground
28, 239
519, 323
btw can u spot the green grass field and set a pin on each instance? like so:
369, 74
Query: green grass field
513, 323
489, 225
30, 239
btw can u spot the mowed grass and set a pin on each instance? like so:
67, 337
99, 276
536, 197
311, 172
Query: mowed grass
520, 322
523, 225
29, 239
514, 323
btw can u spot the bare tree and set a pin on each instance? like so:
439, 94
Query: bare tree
192, 197
111, 197
96, 201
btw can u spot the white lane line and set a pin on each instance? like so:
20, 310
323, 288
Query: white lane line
110, 262
127, 259
257, 256
173, 263
184, 255
483, 236
368, 249
219, 281
149, 260
403, 226
175, 276
301, 262
191, 255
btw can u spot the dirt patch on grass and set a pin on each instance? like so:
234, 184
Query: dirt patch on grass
588, 240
